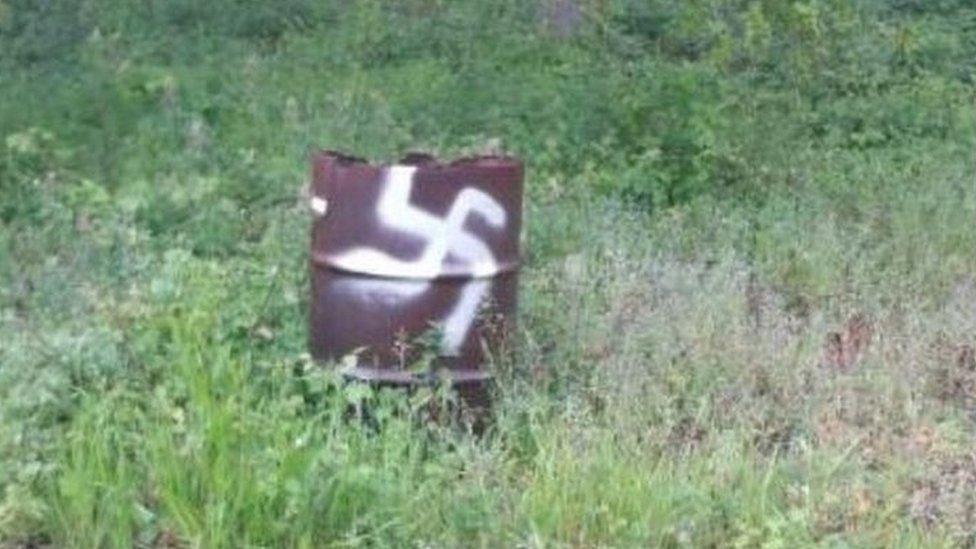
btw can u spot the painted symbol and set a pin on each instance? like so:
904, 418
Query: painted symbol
319, 205
444, 237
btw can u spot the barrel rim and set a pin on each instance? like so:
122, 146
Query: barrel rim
421, 159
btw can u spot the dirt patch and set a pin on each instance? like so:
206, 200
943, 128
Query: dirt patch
953, 380
845, 349
947, 499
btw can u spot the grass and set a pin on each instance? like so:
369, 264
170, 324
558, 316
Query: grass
748, 300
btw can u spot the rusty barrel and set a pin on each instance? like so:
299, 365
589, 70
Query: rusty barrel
415, 249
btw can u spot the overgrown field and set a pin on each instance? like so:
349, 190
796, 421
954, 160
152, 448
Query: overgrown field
748, 293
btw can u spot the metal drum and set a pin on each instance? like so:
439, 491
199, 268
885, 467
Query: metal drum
413, 249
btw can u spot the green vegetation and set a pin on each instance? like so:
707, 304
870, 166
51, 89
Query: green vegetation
749, 289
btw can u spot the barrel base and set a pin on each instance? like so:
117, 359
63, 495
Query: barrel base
473, 387
404, 377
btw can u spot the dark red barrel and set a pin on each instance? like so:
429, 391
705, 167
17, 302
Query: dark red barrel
416, 248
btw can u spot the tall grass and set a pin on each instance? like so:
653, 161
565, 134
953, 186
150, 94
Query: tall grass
748, 294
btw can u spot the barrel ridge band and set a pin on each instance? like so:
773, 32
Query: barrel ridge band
321, 260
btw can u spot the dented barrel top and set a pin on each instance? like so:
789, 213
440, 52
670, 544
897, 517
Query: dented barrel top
420, 218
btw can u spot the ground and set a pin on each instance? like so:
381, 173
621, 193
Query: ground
748, 294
